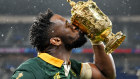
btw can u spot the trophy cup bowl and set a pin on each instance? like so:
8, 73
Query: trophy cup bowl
95, 24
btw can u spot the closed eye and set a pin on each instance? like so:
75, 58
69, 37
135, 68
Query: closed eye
66, 22
68, 25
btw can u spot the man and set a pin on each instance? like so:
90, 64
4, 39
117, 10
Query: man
54, 38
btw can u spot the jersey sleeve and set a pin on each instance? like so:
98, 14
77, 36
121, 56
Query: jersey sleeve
23, 75
86, 71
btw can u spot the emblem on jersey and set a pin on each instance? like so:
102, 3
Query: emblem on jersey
73, 72
57, 76
19, 75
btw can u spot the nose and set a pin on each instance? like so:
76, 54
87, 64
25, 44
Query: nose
73, 26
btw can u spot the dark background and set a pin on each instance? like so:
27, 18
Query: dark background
16, 17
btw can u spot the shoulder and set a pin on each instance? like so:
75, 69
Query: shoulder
75, 63
23, 74
30, 69
27, 64
24, 71
82, 69
76, 66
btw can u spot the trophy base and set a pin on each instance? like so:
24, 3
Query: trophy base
114, 42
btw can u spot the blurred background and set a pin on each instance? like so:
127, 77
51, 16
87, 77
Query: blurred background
16, 17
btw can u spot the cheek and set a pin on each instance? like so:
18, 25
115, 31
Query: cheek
71, 33
70, 38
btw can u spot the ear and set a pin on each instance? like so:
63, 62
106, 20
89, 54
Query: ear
55, 41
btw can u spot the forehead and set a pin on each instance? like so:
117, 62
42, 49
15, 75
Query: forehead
57, 19
59, 23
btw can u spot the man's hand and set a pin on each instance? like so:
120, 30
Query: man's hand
93, 41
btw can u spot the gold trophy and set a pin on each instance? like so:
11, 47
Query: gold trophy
95, 24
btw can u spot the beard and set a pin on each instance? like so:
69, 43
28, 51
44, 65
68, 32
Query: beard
77, 43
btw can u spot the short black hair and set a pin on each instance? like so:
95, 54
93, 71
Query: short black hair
39, 31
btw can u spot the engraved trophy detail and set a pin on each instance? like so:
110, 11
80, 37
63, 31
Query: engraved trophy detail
95, 24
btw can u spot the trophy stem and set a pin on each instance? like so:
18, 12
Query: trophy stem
114, 41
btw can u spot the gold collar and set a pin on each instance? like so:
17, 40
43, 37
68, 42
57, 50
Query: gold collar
50, 59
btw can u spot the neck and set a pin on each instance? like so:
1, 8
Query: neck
60, 52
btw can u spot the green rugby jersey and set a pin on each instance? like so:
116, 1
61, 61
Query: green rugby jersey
46, 66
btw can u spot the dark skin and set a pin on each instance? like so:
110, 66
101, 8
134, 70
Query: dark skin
102, 68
